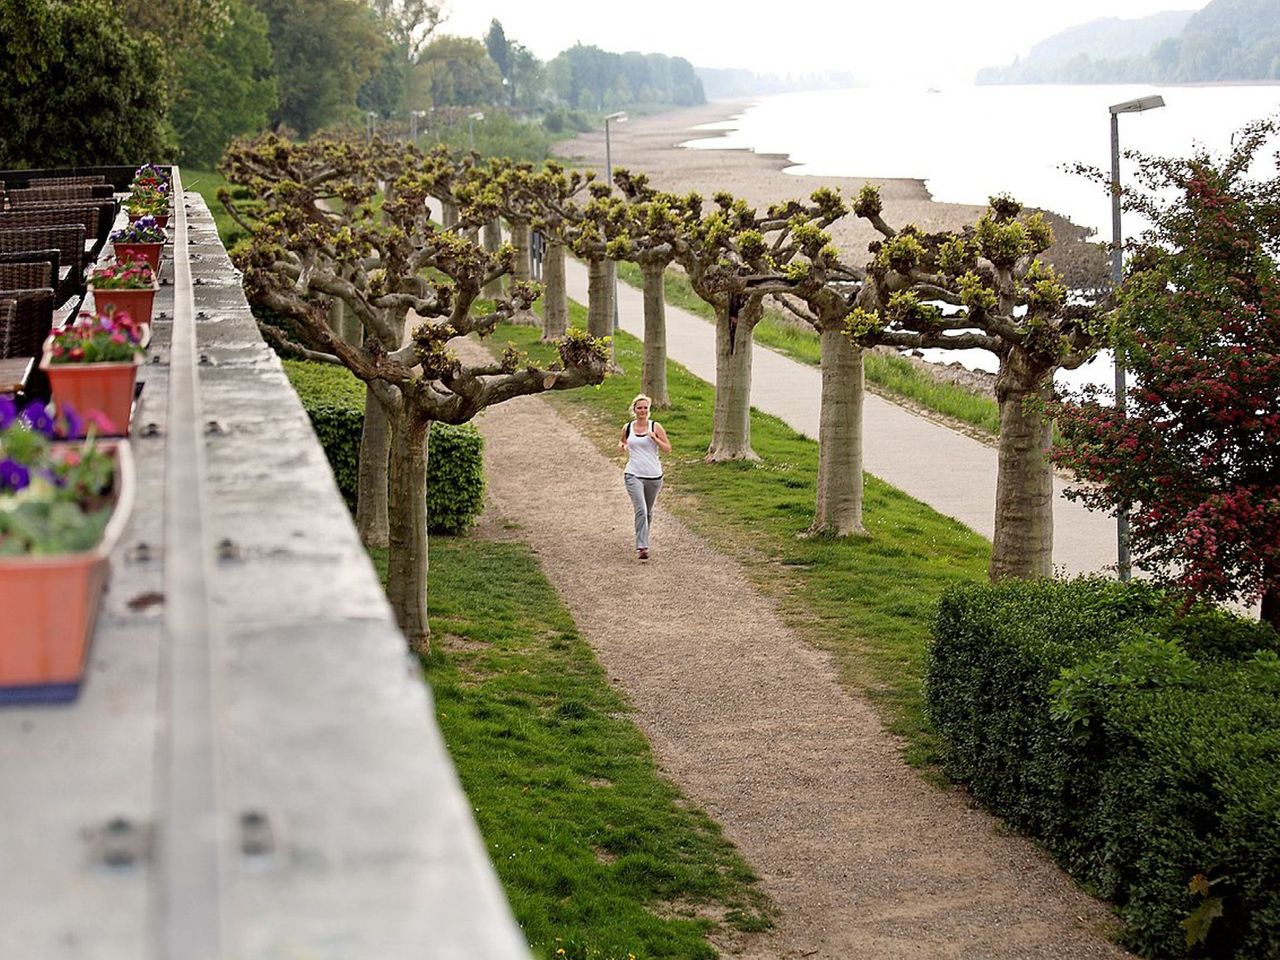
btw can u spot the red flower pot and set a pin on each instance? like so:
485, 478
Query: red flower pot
136, 303
150, 252
103, 388
50, 606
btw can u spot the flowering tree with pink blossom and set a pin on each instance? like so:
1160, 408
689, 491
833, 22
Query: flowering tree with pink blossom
1196, 456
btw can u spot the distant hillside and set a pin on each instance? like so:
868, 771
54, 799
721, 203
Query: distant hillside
730, 83
1227, 40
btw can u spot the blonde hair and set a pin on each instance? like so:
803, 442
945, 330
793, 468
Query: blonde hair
638, 397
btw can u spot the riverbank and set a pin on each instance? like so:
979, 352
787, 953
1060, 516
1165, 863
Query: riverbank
651, 145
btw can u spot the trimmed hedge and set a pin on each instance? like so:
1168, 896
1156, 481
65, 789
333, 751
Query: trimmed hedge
334, 400
1140, 746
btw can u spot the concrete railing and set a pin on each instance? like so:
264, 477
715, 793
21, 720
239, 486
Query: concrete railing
253, 768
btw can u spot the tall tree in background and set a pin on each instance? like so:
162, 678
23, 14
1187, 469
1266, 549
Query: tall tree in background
324, 51
499, 48
226, 88
454, 72
407, 25
1196, 456
76, 87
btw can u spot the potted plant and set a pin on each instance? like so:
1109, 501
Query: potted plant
149, 202
149, 175
128, 287
93, 368
141, 241
63, 507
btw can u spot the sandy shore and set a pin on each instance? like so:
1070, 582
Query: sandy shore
651, 145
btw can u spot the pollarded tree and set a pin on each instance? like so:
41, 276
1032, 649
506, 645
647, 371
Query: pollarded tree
550, 197
598, 235
656, 221
387, 269
1002, 299
734, 259
1196, 455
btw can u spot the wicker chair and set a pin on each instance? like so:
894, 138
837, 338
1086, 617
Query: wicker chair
25, 275
67, 239
25, 333
55, 181
96, 215
71, 191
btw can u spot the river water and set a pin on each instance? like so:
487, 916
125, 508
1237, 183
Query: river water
968, 143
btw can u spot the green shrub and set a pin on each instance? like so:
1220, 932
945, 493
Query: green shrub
1140, 746
334, 400
553, 122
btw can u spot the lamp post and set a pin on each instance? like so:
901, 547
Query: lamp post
1123, 568
471, 127
413, 124
620, 117
368, 120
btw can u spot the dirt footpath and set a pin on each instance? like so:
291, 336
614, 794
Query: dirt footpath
862, 857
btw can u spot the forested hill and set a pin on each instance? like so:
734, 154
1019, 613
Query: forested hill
1229, 40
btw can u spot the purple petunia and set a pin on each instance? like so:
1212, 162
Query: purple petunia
37, 418
13, 475
8, 411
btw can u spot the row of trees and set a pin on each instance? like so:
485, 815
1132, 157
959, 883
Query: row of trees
983, 286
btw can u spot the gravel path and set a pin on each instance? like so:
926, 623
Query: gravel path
862, 857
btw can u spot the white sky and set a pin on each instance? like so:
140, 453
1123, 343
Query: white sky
933, 42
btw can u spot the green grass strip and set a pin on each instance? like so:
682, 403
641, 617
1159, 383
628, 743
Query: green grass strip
869, 601
894, 375
599, 855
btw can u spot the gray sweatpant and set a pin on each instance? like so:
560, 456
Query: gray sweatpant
643, 491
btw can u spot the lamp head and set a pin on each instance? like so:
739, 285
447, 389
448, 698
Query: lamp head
1138, 105
478, 115
619, 117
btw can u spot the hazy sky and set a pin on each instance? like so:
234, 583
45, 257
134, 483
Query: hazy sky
924, 41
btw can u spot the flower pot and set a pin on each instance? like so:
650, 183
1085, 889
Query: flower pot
149, 252
162, 219
50, 606
104, 388
136, 303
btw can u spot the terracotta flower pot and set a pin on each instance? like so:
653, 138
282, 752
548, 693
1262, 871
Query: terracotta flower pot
104, 388
136, 303
148, 252
50, 606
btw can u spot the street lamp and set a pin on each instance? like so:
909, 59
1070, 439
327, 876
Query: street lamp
620, 117
471, 126
1123, 569
413, 124
368, 120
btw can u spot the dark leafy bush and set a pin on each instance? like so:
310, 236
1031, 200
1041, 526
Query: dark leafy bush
334, 400
1140, 746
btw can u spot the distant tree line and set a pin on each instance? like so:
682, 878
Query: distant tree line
118, 80
1229, 40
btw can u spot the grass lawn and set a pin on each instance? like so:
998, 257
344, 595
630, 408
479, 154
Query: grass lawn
207, 183
894, 375
599, 855
870, 601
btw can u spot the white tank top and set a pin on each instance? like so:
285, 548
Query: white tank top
642, 454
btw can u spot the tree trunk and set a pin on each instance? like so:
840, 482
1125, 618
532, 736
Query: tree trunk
448, 213
555, 299
1023, 544
407, 558
520, 243
492, 240
653, 380
731, 421
600, 304
839, 502
371, 496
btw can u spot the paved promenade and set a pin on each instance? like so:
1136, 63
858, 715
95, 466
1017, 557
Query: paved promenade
953, 473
